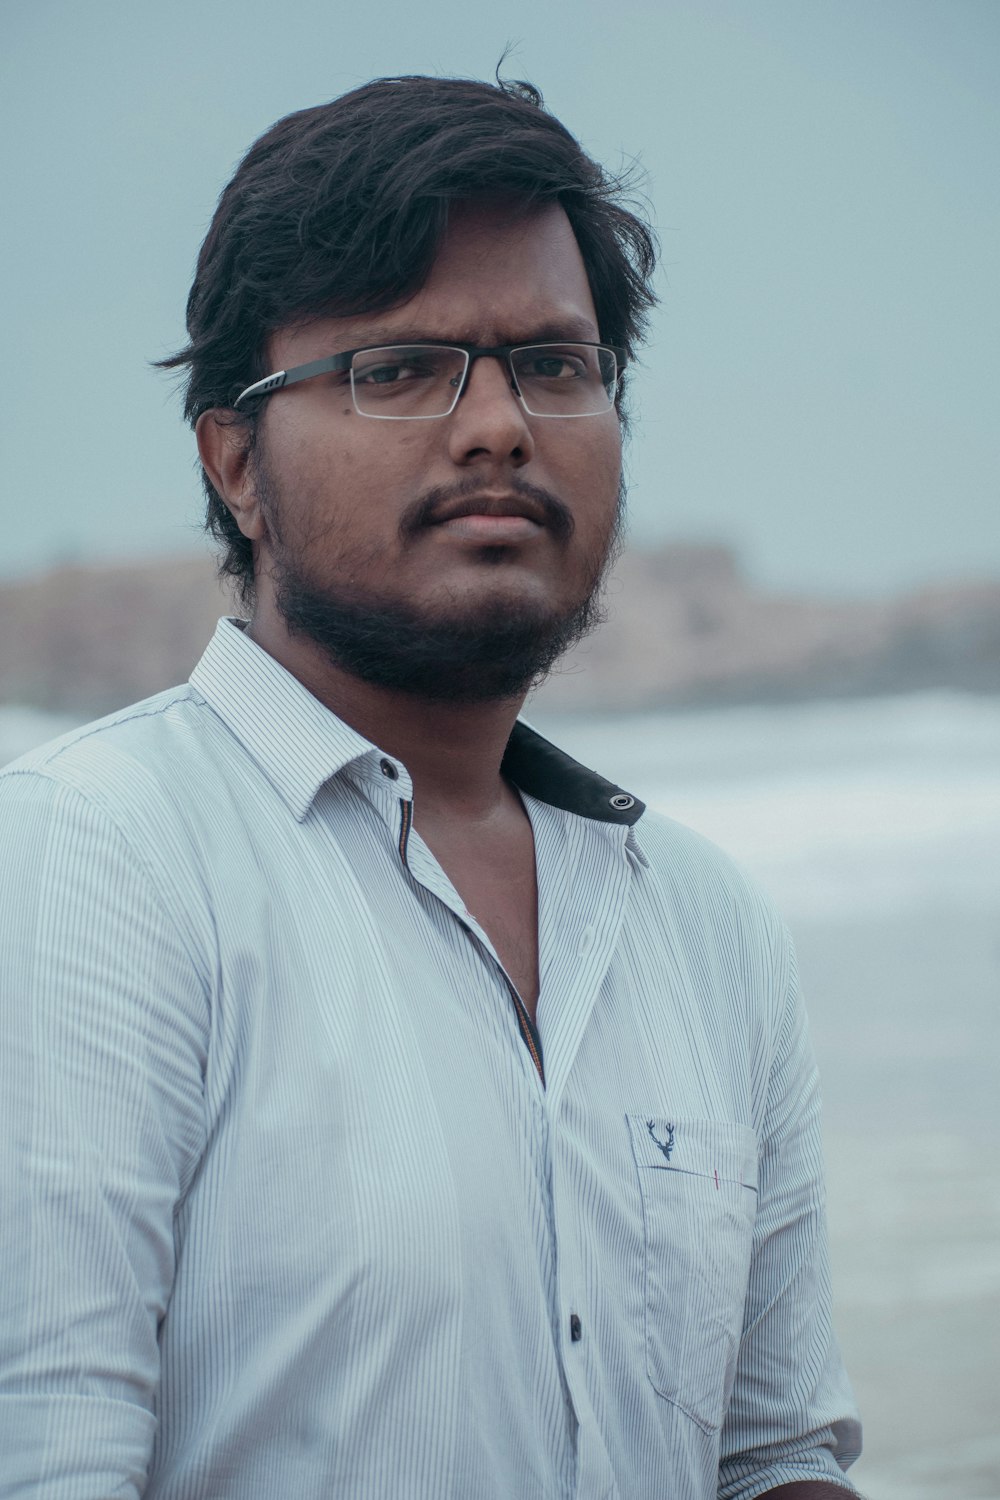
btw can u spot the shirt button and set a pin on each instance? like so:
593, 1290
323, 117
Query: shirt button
388, 769
586, 940
575, 1328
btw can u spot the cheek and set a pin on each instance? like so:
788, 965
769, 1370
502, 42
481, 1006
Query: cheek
365, 450
599, 444
344, 489
597, 468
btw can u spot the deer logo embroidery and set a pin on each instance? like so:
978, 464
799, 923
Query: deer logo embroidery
666, 1146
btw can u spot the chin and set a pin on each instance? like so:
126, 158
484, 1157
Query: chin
482, 599
468, 645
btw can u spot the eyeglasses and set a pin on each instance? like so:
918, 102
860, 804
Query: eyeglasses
412, 382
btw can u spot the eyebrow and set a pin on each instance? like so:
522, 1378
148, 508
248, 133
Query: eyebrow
566, 330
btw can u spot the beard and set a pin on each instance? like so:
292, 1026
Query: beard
489, 650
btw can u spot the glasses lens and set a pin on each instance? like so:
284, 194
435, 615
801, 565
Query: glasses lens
407, 380
565, 380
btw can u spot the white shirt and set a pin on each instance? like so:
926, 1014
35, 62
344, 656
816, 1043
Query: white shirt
287, 1208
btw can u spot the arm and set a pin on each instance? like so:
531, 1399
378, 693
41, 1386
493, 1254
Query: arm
791, 1427
101, 1048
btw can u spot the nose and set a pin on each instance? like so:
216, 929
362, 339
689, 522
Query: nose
489, 423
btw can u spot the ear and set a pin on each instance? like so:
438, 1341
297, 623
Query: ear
224, 451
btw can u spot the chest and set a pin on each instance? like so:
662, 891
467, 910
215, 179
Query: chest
386, 1175
367, 1072
506, 907
366, 1062
495, 877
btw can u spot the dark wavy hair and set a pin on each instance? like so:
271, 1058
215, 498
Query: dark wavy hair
340, 209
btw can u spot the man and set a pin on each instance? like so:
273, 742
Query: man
393, 1107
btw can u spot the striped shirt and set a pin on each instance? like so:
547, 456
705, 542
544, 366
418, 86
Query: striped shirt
289, 1208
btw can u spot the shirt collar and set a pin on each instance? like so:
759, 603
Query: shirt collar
299, 744
542, 770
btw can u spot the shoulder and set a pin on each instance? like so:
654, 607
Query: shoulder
723, 927
701, 876
128, 818
138, 777
124, 755
135, 726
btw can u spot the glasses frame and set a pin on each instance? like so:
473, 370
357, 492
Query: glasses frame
337, 363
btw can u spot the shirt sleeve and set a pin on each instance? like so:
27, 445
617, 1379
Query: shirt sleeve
791, 1415
102, 1048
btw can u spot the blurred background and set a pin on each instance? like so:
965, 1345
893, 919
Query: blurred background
802, 657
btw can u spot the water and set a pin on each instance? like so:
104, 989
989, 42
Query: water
875, 824
845, 809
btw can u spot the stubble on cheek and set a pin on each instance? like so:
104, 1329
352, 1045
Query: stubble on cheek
323, 537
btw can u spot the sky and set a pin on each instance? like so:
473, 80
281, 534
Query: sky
820, 386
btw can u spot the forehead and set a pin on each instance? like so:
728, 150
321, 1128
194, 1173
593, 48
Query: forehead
495, 261
500, 276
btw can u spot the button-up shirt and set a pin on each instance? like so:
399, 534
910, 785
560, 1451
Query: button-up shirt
296, 1202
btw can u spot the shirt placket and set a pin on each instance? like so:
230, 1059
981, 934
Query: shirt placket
392, 795
593, 914
580, 921
424, 868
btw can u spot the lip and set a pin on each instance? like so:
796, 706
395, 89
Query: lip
487, 507
485, 528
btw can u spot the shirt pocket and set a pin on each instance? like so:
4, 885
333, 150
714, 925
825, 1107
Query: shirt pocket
698, 1183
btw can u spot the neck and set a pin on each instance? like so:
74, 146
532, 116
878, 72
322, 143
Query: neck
452, 751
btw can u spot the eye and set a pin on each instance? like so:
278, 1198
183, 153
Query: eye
551, 364
392, 372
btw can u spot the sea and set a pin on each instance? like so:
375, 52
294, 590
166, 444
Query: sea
875, 825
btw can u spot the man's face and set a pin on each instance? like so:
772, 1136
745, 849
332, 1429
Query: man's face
355, 510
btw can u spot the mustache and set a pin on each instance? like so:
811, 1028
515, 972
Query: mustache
421, 513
